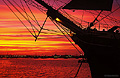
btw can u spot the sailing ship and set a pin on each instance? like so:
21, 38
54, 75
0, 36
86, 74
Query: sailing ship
101, 48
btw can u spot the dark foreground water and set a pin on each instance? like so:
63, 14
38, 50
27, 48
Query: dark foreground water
42, 68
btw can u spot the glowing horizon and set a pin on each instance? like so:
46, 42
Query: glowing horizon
15, 39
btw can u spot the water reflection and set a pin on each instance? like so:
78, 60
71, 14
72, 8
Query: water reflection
42, 68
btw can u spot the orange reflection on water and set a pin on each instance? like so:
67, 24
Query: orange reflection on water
44, 68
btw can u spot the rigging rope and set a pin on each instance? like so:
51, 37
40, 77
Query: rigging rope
32, 14
18, 18
110, 20
37, 6
92, 23
78, 69
72, 18
37, 21
70, 71
68, 15
65, 35
113, 19
27, 18
22, 15
68, 38
108, 15
41, 28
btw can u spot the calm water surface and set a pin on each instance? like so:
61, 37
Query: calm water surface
42, 68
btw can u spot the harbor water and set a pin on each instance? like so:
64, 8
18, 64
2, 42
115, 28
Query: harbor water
42, 68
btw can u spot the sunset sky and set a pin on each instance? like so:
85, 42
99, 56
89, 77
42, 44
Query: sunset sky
15, 39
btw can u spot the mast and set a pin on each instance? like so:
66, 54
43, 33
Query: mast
56, 16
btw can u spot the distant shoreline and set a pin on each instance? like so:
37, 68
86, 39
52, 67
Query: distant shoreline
38, 56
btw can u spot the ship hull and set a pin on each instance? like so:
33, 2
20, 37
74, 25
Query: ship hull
104, 61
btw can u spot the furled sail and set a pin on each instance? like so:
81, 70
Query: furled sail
90, 5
